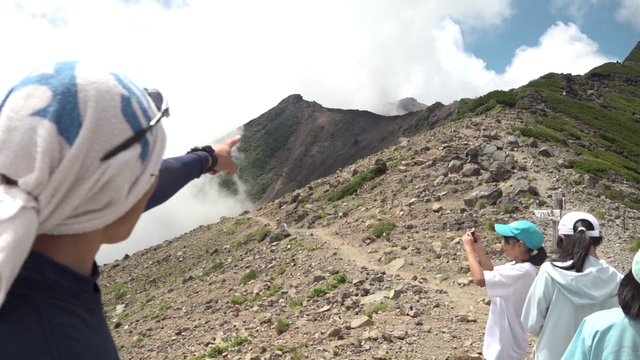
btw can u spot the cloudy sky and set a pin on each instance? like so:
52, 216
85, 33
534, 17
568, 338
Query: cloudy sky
223, 63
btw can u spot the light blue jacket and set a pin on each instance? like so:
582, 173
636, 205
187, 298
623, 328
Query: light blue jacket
559, 300
606, 335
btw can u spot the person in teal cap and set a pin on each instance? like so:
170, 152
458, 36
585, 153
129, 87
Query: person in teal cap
505, 337
570, 287
612, 334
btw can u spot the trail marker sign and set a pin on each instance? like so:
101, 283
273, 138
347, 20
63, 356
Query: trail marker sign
548, 214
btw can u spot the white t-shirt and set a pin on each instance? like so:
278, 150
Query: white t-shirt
508, 286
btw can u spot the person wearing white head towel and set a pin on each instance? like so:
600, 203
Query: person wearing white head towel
73, 177
570, 287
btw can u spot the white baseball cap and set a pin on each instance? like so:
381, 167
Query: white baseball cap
565, 226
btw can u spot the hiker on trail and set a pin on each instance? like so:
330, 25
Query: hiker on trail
570, 287
507, 285
612, 334
80, 155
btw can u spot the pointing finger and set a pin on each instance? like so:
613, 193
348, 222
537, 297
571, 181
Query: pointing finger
234, 141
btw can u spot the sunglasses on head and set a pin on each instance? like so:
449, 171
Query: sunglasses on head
163, 111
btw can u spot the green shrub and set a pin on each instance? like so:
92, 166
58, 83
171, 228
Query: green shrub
488, 102
249, 276
599, 214
354, 184
282, 326
507, 209
383, 227
489, 225
376, 308
539, 132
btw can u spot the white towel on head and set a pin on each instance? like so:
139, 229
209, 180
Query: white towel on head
55, 126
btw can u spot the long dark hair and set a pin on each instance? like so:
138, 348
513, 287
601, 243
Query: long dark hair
536, 259
629, 296
576, 247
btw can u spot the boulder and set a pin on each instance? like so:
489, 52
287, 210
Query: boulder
546, 152
471, 169
455, 166
520, 186
499, 155
500, 171
491, 194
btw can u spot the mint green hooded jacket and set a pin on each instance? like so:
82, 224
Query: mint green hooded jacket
606, 335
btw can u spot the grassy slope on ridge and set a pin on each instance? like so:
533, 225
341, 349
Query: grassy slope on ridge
599, 112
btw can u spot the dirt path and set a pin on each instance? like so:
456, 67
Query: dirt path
463, 298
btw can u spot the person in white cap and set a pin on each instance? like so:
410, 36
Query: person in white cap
570, 287
505, 338
612, 334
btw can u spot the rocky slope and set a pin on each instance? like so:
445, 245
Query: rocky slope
378, 273
366, 263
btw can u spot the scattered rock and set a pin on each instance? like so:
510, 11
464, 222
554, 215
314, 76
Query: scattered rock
361, 322
380, 167
491, 194
509, 201
563, 163
375, 298
334, 332
499, 156
283, 231
545, 152
454, 167
436, 207
500, 171
471, 169
318, 278
396, 264
395, 294
472, 152
487, 178
489, 149
590, 181
119, 309
512, 141
532, 142
520, 186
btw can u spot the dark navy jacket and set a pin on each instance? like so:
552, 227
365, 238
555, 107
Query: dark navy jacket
54, 313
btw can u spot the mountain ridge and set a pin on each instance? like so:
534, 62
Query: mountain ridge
366, 262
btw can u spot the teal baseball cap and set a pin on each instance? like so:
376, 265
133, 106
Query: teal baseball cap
524, 231
635, 267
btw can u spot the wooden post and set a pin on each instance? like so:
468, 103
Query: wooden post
557, 200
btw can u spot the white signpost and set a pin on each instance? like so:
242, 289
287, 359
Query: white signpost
548, 214
554, 215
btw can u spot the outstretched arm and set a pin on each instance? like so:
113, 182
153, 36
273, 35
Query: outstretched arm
175, 173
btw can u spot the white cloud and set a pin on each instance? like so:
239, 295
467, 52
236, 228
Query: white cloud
224, 63
629, 12
575, 8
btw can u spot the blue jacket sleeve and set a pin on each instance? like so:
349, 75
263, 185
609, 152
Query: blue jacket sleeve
175, 173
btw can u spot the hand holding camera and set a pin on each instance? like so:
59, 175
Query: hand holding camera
471, 239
